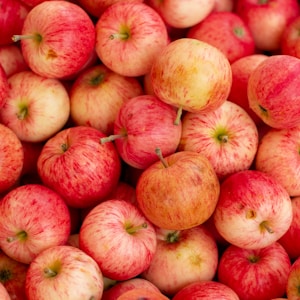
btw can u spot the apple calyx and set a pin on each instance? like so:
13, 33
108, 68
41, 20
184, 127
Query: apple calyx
112, 137
253, 258
97, 79
178, 115
36, 36
173, 237
133, 229
222, 135
21, 235
238, 31
161, 158
5, 275
23, 112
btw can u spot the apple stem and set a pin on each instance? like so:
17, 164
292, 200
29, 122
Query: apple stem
18, 37
121, 36
134, 229
111, 138
178, 116
173, 236
19, 236
49, 273
267, 227
160, 156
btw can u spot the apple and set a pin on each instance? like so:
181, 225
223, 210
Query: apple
119, 238
64, 272
77, 166
43, 221
226, 31
142, 124
255, 204
191, 75
121, 287
57, 38
36, 107
4, 87
179, 191
256, 273
227, 136
12, 276
293, 281
3, 293
97, 95
183, 14
142, 293
267, 20
206, 290
129, 36
193, 250
241, 70
274, 96
290, 40
11, 159
12, 60
290, 238
280, 147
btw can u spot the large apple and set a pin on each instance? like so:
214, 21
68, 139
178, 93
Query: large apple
57, 38
256, 274
193, 250
129, 36
227, 136
36, 107
34, 218
64, 272
78, 167
191, 75
226, 31
142, 124
119, 238
179, 191
275, 95
253, 211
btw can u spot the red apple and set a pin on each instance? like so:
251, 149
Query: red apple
293, 281
142, 124
11, 159
43, 221
193, 250
12, 276
36, 107
78, 167
257, 274
64, 272
123, 191
206, 290
241, 70
183, 14
253, 211
178, 192
129, 36
142, 293
191, 75
57, 38
4, 87
97, 95
226, 31
227, 136
119, 238
267, 20
290, 41
275, 96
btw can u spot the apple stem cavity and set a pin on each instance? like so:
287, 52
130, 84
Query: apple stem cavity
178, 116
133, 229
173, 237
161, 158
5, 275
35, 36
22, 235
112, 137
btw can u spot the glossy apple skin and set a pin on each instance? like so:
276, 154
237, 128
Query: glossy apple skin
274, 96
68, 38
290, 41
36, 107
132, 56
203, 132
78, 167
226, 31
273, 16
280, 147
206, 290
290, 238
78, 277
204, 88
42, 232
194, 250
97, 95
127, 254
250, 202
292, 287
180, 196
148, 124
255, 274
11, 159
241, 70
12, 276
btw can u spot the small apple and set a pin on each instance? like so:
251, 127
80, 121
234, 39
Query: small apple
64, 272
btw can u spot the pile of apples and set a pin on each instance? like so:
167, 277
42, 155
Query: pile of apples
149, 149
